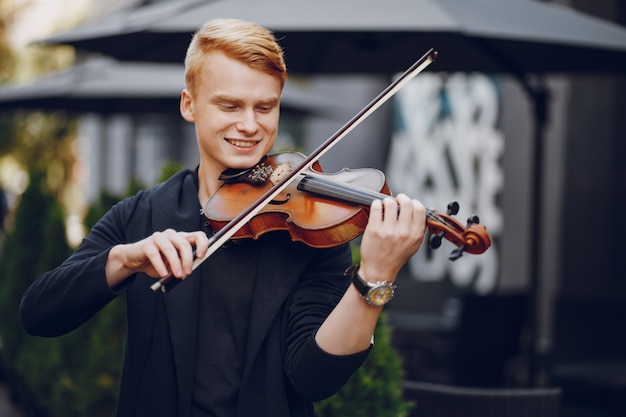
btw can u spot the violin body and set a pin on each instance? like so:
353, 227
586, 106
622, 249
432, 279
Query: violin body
316, 220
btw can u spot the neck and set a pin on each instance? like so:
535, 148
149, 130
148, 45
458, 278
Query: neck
208, 183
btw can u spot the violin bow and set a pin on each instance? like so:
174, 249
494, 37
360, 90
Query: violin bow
224, 234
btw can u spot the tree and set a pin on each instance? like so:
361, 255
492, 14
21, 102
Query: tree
75, 374
36, 242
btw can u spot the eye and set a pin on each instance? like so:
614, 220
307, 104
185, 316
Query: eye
227, 106
265, 108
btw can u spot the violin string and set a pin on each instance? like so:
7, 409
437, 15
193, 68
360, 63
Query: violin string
339, 190
359, 195
433, 214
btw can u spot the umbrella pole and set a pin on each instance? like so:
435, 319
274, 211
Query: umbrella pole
539, 96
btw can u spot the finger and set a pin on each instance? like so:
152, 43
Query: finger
390, 216
376, 212
419, 220
198, 244
200, 241
405, 209
174, 248
419, 211
154, 258
186, 257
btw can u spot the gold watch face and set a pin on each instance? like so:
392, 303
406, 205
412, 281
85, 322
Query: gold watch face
380, 295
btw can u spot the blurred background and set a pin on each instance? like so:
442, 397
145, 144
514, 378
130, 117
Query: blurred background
519, 120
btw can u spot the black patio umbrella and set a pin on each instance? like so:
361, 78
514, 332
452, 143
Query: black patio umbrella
106, 86
354, 36
102, 86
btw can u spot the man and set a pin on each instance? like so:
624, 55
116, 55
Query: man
263, 327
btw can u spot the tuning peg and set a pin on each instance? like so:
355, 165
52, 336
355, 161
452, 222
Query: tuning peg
473, 220
435, 240
457, 253
453, 208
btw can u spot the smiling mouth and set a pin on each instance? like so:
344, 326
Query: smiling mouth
242, 143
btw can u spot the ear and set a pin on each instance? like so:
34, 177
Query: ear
186, 106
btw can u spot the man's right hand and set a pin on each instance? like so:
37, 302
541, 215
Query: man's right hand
162, 254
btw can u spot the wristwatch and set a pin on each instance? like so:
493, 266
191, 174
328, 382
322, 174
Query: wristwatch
375, 293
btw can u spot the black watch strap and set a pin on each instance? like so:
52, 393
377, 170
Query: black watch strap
361, 285
357, 281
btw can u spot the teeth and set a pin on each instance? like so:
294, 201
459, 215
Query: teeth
242, 143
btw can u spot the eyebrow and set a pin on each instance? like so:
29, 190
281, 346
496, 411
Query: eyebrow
224, 97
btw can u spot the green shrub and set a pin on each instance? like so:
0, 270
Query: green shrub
34, 244
73, 375
375, 389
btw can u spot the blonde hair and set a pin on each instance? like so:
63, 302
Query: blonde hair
244, 41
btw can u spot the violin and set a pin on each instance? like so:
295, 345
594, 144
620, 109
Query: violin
287, 192
324, 210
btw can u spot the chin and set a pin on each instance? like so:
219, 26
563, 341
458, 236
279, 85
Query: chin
247, 161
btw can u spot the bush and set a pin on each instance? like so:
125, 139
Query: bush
72, 375
375, 389
33, 245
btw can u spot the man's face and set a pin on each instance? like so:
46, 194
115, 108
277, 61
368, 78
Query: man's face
236, 111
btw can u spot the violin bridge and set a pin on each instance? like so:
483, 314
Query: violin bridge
280, 172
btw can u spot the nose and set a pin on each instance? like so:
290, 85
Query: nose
248, 122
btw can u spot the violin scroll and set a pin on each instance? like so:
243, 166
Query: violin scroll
471, 238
